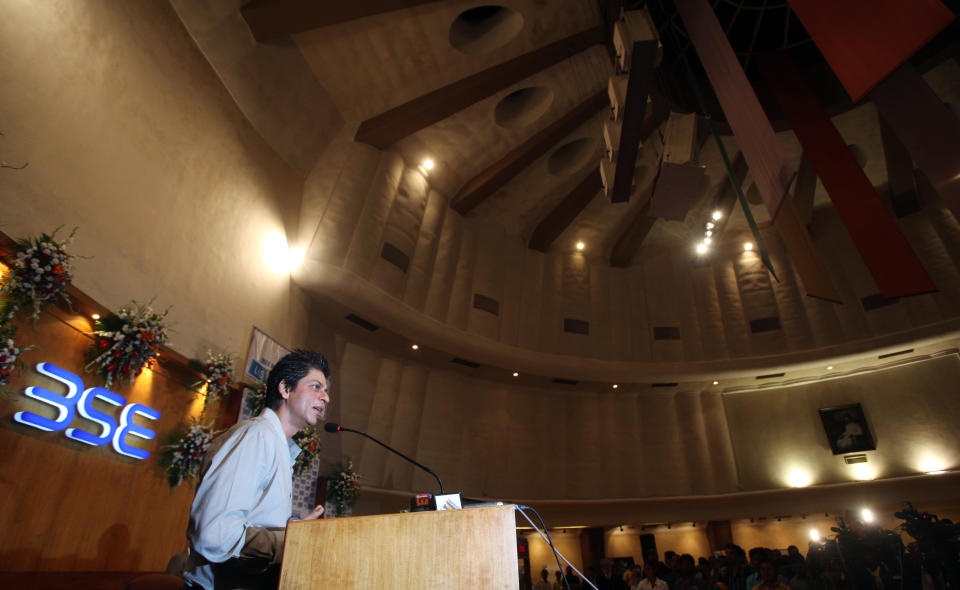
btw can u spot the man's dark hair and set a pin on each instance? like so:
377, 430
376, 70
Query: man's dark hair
686, 557
290, 370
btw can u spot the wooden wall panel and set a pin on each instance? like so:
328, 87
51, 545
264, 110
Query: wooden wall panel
70, 507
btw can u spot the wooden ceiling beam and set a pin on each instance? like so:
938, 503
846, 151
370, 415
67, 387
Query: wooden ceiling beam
272, 19
630, 240
487, 182
639, 85
551, 226
387, 128
555, 222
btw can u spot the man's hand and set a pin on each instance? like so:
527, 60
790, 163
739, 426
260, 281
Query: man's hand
316, 513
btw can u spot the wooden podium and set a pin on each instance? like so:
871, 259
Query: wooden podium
468, 548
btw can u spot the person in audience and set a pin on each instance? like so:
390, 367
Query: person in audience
650, 580
573, 579
768, 576
756, 555
244, 496
607, 579
687, 575
543, 583
737, 569
636, 575
558, 581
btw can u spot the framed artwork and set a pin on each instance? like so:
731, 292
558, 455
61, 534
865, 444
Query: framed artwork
847, 429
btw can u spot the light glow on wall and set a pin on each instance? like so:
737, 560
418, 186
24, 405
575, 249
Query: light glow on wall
863, 472
932, 466
799, 478
279, 256
866, 515
814, 536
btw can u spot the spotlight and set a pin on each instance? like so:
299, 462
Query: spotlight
428, 164
701, 248
708, 233
717, 215
830, 368
615, 386
710, 225
95, 316
716, 383
415, 346
516, 374
748, 246
814, 535
580, 245
707, 240
866, 515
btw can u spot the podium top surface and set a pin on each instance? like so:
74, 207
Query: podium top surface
475, 547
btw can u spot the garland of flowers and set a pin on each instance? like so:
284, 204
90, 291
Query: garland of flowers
127, 341
41, 272
215, 374
256, 398
9, 351
181, 459
308, 440
343, 487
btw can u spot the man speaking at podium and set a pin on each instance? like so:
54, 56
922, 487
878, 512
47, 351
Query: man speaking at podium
244, 496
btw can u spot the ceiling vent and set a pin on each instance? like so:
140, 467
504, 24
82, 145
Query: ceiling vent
395, 256
566, 381
771, 376
898, 353
666, 333
487, 304
854, 459
522, 107
764, 325
362, 322
482, 29
465, 362
576, 326
663, 384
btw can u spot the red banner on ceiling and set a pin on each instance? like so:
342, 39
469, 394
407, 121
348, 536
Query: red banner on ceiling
865, 40
892, 262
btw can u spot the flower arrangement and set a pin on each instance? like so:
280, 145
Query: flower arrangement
216, 374
127, 341
182, 458
343, 487
9, 351
308, 440
256, 398
40, 273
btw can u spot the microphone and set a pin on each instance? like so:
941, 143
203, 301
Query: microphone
334, 428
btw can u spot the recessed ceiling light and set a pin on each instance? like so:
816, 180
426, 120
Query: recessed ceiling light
707, 240
580, 245
428, 164
415, 346
866, 515
717, 215
701, 248
830, 368
748, 246
709, 225
95, 316
516, 374
615, 386
716, 383
708, 233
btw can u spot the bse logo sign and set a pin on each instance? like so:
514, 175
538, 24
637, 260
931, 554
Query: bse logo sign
80, 400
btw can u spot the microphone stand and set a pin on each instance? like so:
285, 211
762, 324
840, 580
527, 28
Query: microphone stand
392, 450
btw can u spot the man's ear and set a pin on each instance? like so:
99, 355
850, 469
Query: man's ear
283, 389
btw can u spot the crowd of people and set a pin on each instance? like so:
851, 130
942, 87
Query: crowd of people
757, 569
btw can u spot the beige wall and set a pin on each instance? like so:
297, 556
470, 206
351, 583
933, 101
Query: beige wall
910, 409
131, 137
567, 543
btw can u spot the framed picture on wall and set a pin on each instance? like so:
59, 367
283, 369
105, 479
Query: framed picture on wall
847, 429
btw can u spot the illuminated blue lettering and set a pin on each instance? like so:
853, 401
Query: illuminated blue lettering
107, 424
64, 404
128, 427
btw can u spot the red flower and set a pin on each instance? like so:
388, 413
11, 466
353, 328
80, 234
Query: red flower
110, 366
116, 354
57, 269
104, 344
